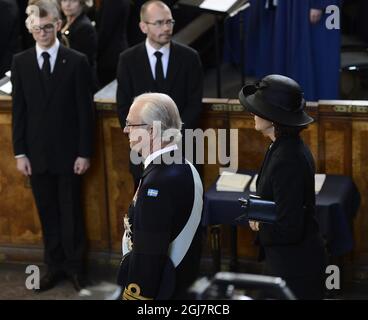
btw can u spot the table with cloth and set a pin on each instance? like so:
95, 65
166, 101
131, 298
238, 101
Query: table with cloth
336, 206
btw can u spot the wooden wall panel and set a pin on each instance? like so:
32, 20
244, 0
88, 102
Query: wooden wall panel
19, 223
119, 180
335, 146
212, 120
310, 137
94, 197
360, 176
338, 141
19, 220
252, 144
210, 172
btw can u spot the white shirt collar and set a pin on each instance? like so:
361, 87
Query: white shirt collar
52, 51
157, 153
165, 50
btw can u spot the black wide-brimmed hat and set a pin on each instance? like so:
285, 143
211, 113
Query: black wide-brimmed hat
276, 98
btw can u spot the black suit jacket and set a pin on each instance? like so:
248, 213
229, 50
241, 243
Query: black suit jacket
184, 81
112, 35
293, 246
164, 204
82, 37
52, 127
9, 27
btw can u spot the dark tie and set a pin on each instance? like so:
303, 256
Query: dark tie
46, 67
159, 72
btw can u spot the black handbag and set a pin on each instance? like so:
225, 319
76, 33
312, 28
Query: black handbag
257, 209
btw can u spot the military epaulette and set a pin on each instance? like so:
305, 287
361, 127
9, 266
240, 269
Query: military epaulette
133, 292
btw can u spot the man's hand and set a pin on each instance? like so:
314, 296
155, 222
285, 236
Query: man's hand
81, 165
315, 15
24, 166
254, 225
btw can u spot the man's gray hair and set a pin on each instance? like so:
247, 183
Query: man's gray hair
159, 107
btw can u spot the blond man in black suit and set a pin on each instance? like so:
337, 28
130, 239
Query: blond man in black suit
52, 138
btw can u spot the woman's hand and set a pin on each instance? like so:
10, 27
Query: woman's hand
81, 165
315, 15
254, 225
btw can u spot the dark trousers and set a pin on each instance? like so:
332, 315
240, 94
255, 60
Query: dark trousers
307, 287
58, 202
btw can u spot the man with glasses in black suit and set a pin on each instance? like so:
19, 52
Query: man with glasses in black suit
52, 139
160, 65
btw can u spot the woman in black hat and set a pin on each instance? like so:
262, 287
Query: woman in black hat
292, 247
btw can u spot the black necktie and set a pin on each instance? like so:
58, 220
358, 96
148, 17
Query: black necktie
159, 72
46, 67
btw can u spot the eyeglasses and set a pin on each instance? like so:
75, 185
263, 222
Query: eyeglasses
161, 23
128, 125
47, 28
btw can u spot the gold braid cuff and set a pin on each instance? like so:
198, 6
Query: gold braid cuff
133, 293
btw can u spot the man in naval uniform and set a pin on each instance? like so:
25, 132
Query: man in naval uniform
162, 239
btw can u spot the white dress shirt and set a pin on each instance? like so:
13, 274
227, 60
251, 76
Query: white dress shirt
51, 51
165, 50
